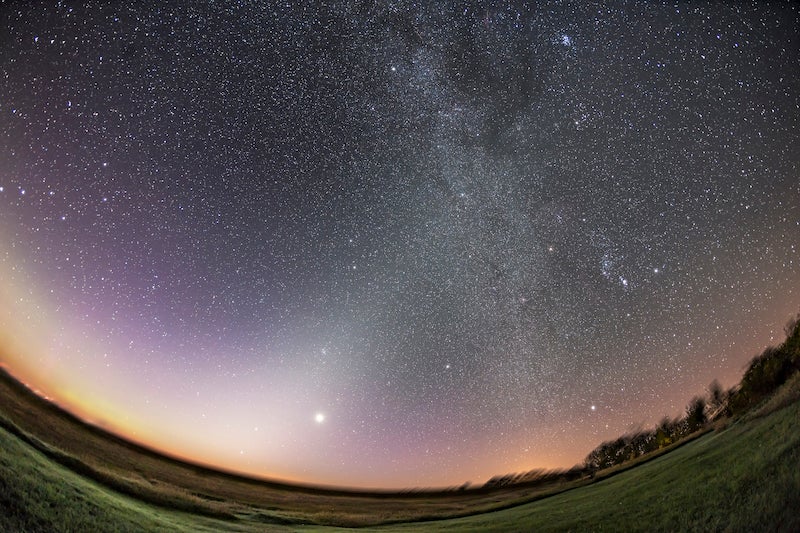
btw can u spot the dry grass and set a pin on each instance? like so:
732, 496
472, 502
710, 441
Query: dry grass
156, 479
740, 478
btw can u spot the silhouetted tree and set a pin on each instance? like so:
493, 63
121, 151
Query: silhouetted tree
765, 373
716, 398
604, 456
792, 343
665, 432
695, 414
642, 443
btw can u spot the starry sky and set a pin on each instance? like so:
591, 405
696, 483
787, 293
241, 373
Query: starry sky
394, 244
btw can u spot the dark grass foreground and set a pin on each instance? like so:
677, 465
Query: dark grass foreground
745, 477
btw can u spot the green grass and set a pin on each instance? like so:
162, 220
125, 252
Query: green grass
37, 494
743, 478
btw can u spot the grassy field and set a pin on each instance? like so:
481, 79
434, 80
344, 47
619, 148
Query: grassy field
156, 479
743, 478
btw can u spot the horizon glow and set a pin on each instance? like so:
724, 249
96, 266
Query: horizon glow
393, 247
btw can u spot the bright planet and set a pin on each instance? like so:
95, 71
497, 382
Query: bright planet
391, 245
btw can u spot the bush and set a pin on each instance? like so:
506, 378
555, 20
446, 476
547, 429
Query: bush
768, 371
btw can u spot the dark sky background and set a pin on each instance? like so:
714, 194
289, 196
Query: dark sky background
394, 244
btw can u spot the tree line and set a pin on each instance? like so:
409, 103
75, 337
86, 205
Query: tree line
765, 373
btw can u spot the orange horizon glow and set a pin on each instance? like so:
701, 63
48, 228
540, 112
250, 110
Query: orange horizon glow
86, 413
98, 396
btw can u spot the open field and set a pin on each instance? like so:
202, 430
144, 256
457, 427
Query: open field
154, 478
57, 474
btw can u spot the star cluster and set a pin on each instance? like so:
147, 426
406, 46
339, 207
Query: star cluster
392, 244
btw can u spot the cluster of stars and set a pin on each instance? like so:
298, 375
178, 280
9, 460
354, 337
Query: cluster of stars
394, 246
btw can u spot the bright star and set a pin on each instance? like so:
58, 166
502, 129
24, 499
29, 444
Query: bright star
319, 418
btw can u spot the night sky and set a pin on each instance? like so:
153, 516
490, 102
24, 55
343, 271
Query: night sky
392, 245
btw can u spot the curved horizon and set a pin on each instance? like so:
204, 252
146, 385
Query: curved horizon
393, 246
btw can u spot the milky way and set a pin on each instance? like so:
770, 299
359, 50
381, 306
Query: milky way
394, 244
